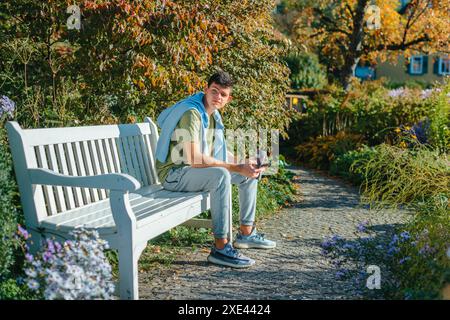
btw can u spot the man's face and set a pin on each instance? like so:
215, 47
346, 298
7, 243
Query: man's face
217, 96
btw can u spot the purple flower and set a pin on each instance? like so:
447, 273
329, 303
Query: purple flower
336, 237
426, 249
23, 232
362, 226
58, 246
420, 130
394, 240
425, 94
403, 260
6, 106
405, 235
399, 92
29, 257
33, 285
329, 243
341, 273
47, 256
393, 250
50, 246
348, 246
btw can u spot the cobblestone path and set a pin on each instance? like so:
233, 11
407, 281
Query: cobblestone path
294, 270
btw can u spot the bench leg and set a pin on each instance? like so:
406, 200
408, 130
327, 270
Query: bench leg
35, 242
128, 273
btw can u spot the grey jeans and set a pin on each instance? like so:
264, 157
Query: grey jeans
217, 181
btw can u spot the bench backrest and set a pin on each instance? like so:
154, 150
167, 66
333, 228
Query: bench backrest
79, 151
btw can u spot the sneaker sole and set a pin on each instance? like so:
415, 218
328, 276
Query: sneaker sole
228, 264
252, 246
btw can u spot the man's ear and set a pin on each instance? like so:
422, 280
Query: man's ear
230, 97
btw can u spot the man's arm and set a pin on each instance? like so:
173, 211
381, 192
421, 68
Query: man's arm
196, 159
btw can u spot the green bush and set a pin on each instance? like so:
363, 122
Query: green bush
425, 267
405, 177
306, 71
10, 214
439, 132
341, 165
414, 257
369, 109
10, 289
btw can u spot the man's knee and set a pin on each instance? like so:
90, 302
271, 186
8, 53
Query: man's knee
220, 176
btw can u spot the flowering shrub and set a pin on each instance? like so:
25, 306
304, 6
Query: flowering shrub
407, 93
413, 260
7, 106
9, 211
410, 137
351, 258
320, 151
371, 110
73, 270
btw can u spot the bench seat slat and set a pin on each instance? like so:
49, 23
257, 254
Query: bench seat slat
99, 216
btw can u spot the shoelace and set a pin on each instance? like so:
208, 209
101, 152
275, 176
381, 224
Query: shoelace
233, 251
260, 236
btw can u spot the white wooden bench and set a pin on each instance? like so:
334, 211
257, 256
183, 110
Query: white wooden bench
102, 178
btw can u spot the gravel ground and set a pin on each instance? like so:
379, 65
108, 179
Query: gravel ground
295, 269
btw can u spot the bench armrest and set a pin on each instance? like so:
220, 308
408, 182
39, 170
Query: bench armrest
110, 181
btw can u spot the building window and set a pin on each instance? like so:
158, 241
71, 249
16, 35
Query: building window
444, 66
365, 72
416, 65
403, 4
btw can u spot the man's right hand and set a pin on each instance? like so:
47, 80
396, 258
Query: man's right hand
249, 170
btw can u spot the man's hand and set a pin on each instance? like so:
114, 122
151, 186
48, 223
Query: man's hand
249, 170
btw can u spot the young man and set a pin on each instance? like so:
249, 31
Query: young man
207, 166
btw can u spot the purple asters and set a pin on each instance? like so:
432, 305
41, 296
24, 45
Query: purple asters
77, 269
7, 106
362, 226
420, 130
23, 232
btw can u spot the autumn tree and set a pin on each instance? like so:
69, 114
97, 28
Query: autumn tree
346, 31
142, 56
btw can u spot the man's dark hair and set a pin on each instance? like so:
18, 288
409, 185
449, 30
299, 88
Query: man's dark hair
222, 78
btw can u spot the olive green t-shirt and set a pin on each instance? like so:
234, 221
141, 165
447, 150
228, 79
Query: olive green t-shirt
191, 122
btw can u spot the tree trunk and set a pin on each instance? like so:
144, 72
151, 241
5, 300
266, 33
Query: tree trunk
355, 49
